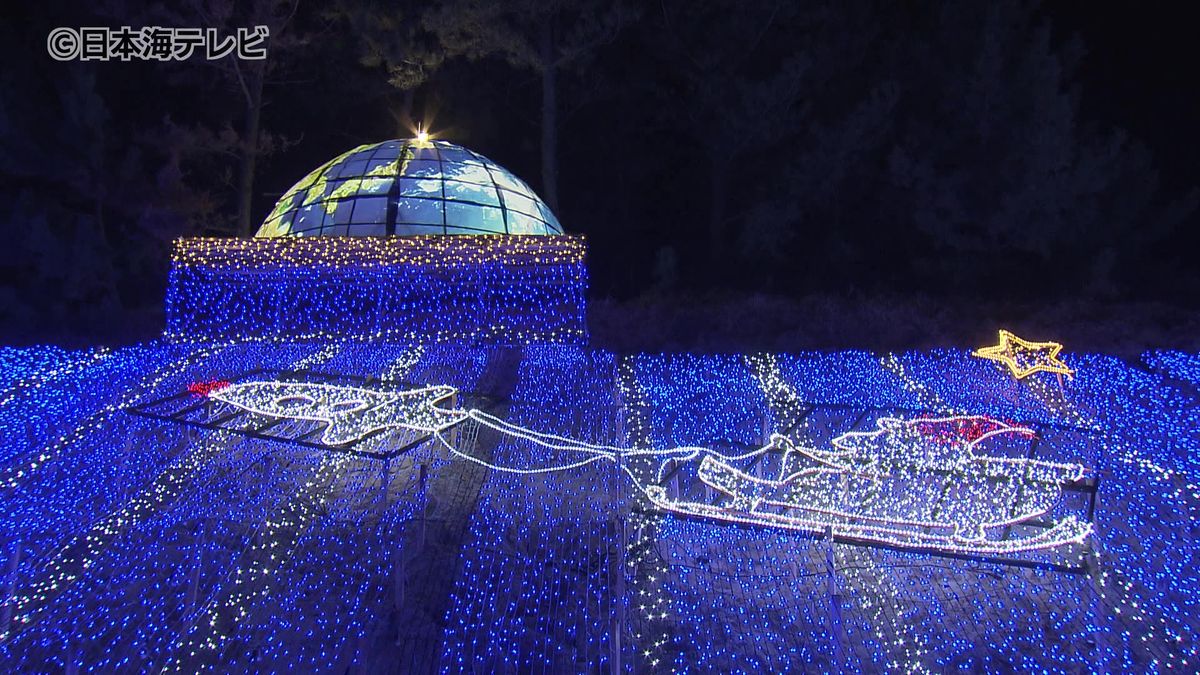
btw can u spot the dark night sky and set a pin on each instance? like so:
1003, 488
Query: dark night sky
1140, 74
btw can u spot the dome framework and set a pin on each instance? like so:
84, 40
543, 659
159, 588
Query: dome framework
409, 187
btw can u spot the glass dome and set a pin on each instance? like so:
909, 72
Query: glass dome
405, 187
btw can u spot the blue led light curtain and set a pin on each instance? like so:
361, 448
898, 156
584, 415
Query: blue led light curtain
488, 289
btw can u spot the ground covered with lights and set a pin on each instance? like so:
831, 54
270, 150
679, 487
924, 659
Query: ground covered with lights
538, 533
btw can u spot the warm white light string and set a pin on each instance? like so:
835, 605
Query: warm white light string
67, 563
74, 364
249, 585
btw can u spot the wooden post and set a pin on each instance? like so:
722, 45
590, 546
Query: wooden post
126, 451
1099, 633
10, 587
398, 575
835, 601
621, 441
424, 474
452, 433
384, 482
74, 652
618, 619
764, 441
194, 588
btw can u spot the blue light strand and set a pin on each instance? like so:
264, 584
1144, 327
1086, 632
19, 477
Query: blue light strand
533, 591
473, 288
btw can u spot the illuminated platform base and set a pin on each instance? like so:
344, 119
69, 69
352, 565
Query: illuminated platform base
477, 288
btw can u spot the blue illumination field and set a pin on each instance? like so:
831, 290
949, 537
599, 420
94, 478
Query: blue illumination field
129, 544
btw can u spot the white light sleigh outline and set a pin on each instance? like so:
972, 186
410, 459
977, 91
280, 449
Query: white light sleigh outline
350, 413
864, 489
899, 486
916, 483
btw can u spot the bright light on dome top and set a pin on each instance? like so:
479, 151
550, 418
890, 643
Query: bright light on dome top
409, 187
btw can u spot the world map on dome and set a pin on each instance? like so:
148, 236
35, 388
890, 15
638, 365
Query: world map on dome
409, 187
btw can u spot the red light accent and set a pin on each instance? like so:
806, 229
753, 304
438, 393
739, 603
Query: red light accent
968, 429
208, 387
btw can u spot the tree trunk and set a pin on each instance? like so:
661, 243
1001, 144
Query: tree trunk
406, 111
718, 195
111, 290
549, 118
254, 86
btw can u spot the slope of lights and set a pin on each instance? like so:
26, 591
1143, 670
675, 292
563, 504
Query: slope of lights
129, 544
536, 588
1177, 365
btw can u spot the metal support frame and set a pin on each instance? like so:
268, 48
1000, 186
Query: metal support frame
1088, 486
176, 408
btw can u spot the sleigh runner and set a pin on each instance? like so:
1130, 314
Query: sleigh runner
911, 483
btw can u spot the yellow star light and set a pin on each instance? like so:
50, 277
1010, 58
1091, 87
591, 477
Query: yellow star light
1025, 358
